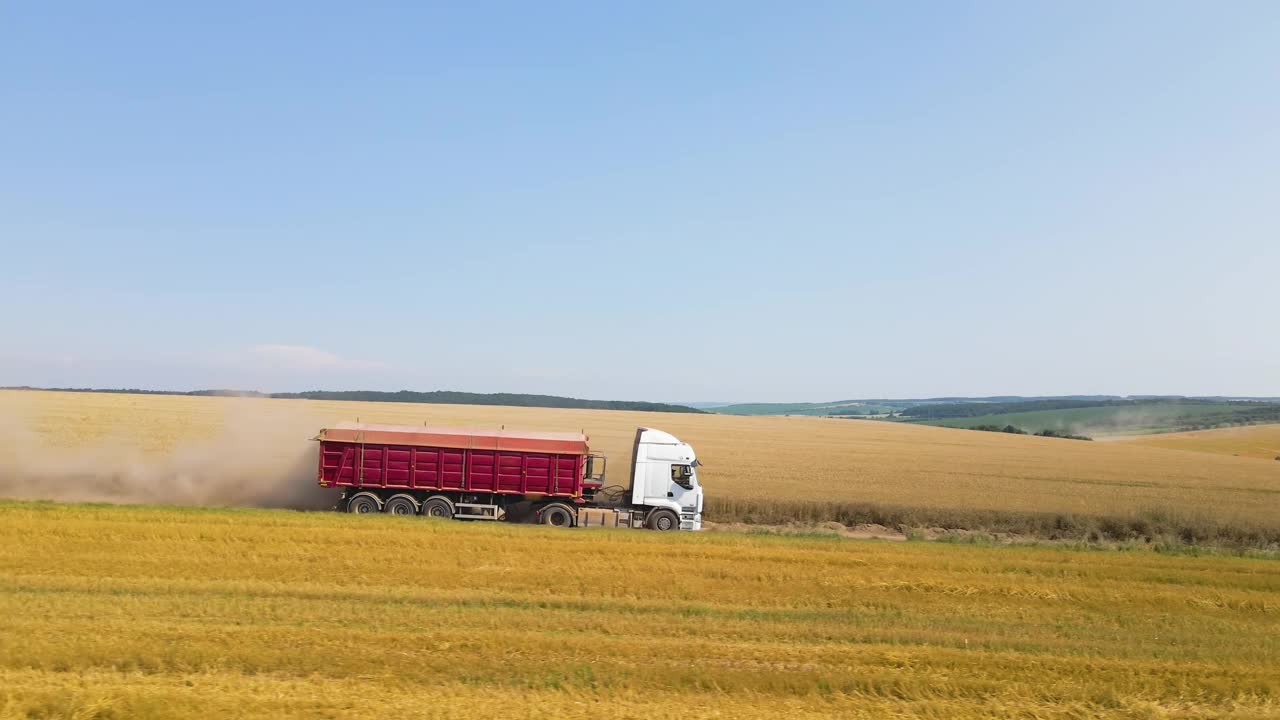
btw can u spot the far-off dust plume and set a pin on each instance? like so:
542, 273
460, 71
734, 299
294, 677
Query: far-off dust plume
258, 460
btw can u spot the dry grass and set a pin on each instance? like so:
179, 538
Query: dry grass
124, 612
759, 462
1256, 441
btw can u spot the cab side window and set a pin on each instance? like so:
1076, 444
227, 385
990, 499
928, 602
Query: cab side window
682, 475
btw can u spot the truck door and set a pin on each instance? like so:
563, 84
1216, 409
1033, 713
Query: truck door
661, 489
684, 487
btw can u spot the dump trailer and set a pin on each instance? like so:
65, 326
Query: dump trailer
511, 476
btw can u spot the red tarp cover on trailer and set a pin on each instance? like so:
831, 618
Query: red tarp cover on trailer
510, 440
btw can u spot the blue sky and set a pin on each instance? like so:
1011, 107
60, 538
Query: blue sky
684, 201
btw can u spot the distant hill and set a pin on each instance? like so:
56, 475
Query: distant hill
941, 411
465, 398
839, 407
1073, 414
878, 406
1115, 417
410, 396
957, 406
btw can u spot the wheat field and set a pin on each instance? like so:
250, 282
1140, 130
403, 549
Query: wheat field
145, 612
1256, 441
799, 464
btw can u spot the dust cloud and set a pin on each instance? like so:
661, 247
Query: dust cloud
258, 460
1125, 422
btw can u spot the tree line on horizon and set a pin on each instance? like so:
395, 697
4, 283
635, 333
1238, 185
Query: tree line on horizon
436, 397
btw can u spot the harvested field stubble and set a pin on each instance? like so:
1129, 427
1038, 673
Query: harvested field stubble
157, 613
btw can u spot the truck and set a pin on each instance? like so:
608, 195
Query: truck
512, 476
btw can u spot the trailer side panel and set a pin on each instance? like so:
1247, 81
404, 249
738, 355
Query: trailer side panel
375, 465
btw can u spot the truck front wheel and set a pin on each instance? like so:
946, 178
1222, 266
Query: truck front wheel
663, 520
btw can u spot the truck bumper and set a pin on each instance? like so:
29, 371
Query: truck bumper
690, 521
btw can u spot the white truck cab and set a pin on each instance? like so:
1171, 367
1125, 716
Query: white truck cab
665, 475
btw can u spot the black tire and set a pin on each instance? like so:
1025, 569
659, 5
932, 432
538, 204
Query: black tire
363, 504
556, 515
400, 505
438, 508
663, 520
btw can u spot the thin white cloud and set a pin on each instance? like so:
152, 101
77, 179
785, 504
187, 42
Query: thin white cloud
304, 357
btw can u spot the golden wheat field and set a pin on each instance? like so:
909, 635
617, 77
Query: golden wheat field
145, 612
747, 460
1256, 441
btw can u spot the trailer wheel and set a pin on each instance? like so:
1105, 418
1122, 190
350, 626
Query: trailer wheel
363, 503
557, 515
438, 507
400, 505
663, 520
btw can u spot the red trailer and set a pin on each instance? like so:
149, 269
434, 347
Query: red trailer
447, 472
